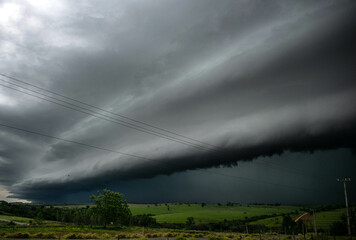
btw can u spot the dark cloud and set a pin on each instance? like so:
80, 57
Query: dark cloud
250, 78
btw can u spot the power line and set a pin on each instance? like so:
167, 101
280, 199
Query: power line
149, 159
109, 118
106, 111
101, 109
102, 116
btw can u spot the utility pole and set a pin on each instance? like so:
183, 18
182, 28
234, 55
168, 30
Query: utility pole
345, 180
315, 225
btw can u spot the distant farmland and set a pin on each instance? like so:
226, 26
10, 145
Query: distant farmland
178, 213
323, 219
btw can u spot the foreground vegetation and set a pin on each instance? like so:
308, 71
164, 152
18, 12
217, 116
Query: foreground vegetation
85, 232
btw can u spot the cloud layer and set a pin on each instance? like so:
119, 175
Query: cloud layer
249, 78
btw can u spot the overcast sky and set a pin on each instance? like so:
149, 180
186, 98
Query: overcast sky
214, 101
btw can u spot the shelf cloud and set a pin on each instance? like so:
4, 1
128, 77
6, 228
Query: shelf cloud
185, 85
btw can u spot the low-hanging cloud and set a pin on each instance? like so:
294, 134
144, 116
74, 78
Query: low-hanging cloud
249, 78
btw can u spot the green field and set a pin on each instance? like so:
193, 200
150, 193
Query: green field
323, 219
178, 213
24, 219
270, 222
17, 219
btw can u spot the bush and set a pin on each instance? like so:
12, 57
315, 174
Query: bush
90, 236
72, 236
180, 238
121, 235
38, 235
199, 235
18, 235
186, 235
105, 236
170, 234
286, 238
152, 235
134, 235
45, 236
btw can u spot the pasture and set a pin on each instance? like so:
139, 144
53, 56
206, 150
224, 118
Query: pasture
323, 219
178, 213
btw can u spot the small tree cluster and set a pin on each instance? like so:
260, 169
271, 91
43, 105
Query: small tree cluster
111, 208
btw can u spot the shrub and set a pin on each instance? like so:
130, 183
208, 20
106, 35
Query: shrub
121, 235
72, 236
18, 235
134, 235
186, 235
152, 235
170, 234
180, 238
90, 236
286, 238
105, 236
218, 238
199, 235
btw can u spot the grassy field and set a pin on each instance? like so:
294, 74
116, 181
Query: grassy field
17, 219
323, 219
270, 222
210, 213
178, 213
24, 219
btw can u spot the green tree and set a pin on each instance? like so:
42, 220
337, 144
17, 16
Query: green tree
190, 221
110, 207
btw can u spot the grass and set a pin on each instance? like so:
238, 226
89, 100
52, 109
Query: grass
323, 219
17, 219
210, 213
24, 219
70, 232
269, 222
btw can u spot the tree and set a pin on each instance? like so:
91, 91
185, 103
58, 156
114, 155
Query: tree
190, 221
110, 207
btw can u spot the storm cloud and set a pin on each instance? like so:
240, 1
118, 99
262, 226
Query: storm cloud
237, 80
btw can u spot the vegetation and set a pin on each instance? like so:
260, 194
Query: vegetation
111, 217
179, 212
110, 208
